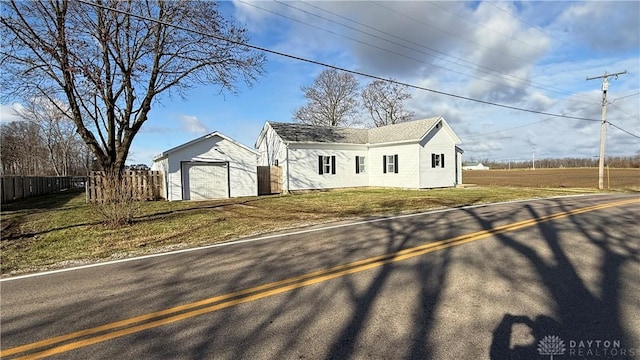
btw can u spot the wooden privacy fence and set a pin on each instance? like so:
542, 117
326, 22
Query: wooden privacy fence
136, 185
19, 187
269, 180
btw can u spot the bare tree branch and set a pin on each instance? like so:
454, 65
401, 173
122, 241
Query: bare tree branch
384, 102
332, 100
112, 67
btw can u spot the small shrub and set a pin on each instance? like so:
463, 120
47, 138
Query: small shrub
120, 200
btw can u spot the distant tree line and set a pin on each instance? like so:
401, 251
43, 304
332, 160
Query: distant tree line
569, 162
43, 143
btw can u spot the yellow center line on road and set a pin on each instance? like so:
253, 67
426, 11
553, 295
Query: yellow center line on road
182, 312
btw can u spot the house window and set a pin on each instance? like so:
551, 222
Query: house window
437, 160
326, 164
360, 165
390, 164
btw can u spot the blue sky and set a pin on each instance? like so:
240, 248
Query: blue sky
533, 55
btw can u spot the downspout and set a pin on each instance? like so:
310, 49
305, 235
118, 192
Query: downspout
286, 146
165, 175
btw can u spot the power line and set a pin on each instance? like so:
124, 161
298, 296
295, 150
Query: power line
525, 21
621, 129
624, 97
626, 113
465, 18
365, 43
551, 118
509, 129
444, 31
354, 72
475, 67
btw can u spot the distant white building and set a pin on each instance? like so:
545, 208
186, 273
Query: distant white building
478, 166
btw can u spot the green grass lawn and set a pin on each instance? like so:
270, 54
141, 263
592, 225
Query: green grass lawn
60, 230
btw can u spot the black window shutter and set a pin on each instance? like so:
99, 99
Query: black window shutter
357, 165
320, 165
442, 160
433, 160
333, 164
395, 163
384, 164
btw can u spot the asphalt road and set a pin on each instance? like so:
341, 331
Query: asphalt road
523, 280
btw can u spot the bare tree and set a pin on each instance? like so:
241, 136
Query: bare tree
42, 148
332, 100
57, 131
384, 102
21, 149
111, 61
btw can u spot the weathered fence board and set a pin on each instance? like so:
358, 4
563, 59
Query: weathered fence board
19, 187
269, 180
141, 185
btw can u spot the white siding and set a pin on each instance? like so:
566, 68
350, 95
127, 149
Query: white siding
408, 167
299, 162
437, 141
162, 165
271, 149
303, 166
242, 166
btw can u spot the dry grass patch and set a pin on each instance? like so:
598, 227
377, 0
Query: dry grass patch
56, 230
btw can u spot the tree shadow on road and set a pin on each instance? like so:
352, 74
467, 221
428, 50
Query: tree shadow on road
586, 306
287, 325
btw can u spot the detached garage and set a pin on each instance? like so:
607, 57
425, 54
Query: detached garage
210, 167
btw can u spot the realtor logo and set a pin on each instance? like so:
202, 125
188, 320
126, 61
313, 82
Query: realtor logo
551, 345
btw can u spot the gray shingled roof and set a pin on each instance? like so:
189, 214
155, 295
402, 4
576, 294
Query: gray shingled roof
410, 130
311, 133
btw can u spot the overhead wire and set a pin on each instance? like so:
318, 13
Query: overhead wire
354, 72
492, 3
621, 129
418, 20
551, 118
509, 129
624, 97
475, 67
466, 18
363, 42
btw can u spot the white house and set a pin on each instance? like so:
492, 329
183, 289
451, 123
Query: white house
210, 167
415, 154
477, 166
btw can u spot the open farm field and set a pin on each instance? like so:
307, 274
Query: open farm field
619, 179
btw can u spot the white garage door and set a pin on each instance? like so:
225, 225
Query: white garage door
205, 181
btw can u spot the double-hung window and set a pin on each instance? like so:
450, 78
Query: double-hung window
437, 160
361, 166
390, 164
326, 164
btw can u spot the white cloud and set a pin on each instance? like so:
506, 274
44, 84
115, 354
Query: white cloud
192, 125
602, 25
9, 113
532, 55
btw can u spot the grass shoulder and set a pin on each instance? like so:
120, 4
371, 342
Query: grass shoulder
61, 230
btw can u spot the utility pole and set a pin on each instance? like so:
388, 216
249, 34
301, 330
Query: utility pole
603, 126
533, 159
